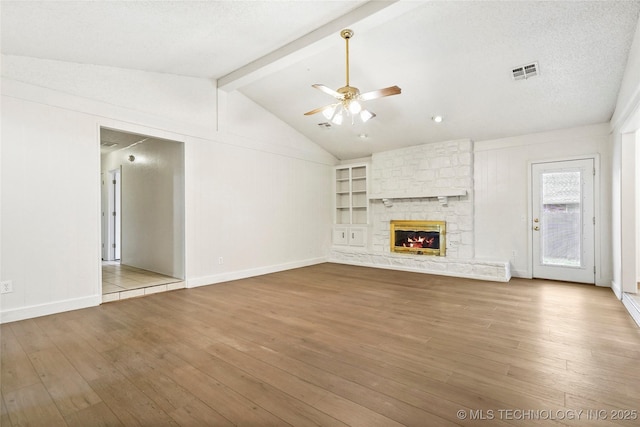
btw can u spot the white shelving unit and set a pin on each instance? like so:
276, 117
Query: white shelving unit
352, 205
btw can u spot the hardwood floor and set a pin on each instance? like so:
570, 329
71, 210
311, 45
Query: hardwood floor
330, 345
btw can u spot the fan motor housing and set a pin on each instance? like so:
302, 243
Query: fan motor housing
349, 92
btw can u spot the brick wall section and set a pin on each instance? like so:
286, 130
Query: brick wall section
419, 170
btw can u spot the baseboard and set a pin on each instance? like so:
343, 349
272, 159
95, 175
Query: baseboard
522, 274
13, 315
420, 270
632, 307
617, 289
252, 272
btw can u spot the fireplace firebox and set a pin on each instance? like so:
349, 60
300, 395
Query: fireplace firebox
418, 237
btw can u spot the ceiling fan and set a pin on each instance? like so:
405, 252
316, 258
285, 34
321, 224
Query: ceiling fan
349, 97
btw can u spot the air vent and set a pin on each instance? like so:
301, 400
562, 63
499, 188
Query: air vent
325, 125
524, 72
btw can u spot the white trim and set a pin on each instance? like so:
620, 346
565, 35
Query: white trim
632, 308
243, 274
22, 313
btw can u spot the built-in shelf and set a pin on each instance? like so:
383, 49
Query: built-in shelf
351, 195
352, 206
442, 194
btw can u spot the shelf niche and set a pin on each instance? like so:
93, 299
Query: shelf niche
352, 201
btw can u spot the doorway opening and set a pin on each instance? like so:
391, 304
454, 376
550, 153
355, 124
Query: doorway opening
142, 214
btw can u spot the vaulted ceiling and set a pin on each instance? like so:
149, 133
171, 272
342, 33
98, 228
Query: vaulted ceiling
451, 58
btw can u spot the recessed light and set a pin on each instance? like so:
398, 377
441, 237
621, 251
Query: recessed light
437, 119
363, 136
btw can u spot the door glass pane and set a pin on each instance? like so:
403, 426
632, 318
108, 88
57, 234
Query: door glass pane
561, 222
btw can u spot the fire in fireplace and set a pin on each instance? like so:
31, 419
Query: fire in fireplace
418, 237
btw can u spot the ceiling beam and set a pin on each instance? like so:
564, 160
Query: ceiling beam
368, 15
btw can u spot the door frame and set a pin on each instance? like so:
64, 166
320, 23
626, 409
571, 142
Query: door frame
596, 211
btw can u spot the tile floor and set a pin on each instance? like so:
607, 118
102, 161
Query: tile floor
121, 282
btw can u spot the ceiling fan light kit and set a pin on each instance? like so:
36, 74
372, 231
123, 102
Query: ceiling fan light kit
349, 97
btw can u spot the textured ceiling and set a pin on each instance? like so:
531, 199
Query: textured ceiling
450, 58
194, 38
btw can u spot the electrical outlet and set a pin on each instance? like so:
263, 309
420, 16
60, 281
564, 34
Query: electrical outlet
220, 260
6, 286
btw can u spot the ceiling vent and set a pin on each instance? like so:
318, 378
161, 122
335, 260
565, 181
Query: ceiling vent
108, 144
325, 125
524, 72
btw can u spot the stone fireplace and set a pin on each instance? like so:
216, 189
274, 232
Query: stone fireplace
430, 181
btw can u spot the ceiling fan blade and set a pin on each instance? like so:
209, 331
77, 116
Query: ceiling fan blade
388, 91
317, 110
328, 91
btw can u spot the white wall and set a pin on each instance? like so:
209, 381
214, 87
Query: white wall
261, 202
637, 199
255, 210
625, 120
616, 226
50, 177
628, 192
501, 192
152, 205
190, 102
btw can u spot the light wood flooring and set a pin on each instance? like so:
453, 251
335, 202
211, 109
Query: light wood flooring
330, 345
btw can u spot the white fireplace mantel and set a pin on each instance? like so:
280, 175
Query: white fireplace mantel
442, 194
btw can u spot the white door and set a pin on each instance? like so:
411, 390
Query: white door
113, 216
563, 220
117, 217
105, 217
